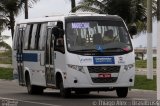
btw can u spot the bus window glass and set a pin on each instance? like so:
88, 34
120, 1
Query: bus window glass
32, 45
42, 38
26, 37
37, 36
98, 36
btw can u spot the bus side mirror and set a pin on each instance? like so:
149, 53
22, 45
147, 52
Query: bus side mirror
132, 30
55, 31
58, 32
61, 32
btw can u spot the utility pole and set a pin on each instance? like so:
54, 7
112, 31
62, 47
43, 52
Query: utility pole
73, 5
158, 50
149, 41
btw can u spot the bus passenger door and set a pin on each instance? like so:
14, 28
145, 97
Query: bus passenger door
20, 66
49, 61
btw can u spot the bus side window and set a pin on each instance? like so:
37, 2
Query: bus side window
37, 36
43, 34
58, 34
32, 45
15, 38
26, 37
30, 36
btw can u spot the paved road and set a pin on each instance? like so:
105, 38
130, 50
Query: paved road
11, 93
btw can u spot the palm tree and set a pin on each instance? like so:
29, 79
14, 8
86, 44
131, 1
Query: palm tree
132, 11
73, 5
26, 4
8, 9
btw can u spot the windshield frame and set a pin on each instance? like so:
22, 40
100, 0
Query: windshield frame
96, 18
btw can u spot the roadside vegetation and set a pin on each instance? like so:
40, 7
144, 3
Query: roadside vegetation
6, 73
6, 57
143, 63
141, 82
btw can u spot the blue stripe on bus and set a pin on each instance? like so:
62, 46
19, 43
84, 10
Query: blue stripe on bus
33, 57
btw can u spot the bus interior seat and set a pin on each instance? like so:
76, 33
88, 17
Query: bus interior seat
108, 33
97, 38
80, 41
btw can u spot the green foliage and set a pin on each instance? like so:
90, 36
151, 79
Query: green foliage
9, 9
8, 53
5, 45
6, 73
141, 82
143, 63
132, 11
6, 57
154, 58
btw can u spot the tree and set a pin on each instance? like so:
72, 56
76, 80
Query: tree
9, 9
3, 37
132, 11
73, 5
26, 4
2, 43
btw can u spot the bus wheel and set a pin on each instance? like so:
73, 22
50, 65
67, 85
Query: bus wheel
78, 92
64, 92
39, 90
31, 89
122, 92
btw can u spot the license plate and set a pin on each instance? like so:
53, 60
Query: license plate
104, 75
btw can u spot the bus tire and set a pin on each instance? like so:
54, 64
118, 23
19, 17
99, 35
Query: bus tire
122, 92
64, 92
39, 90
30, 88
78, 92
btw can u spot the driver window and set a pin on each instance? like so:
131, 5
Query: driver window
58, 33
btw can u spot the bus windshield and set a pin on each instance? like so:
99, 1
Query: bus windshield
97, 36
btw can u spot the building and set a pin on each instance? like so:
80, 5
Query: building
141, 52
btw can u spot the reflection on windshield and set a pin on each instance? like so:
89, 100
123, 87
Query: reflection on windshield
97, 36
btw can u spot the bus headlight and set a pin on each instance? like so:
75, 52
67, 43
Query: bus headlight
78, 68
129, 66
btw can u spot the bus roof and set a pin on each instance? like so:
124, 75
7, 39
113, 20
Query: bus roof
81, 16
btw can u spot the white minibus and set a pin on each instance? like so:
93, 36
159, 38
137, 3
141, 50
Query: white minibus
77, 53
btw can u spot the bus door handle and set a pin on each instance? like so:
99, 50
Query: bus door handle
41, 59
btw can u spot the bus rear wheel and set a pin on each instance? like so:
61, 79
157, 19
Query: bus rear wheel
33, 89
64, 92
122, 92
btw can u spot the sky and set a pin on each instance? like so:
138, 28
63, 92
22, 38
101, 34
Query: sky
141, 41
44, 8
51, 7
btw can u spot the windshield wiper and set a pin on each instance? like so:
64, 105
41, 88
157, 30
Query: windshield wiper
85, 50
120, 49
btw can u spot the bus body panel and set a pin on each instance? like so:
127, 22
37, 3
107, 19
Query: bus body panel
84, 78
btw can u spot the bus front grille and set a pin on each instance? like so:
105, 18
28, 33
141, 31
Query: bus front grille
104, 69
104, 80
